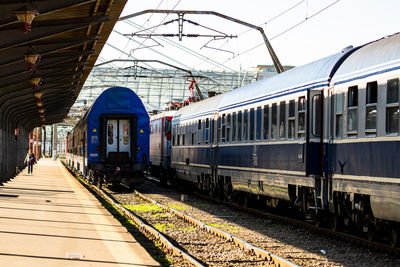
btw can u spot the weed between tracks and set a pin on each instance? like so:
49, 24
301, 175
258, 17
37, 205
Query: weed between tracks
144, 208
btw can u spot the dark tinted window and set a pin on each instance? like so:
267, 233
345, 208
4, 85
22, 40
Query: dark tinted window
266, 122
258, 126
282, 119
274, 114
252, 121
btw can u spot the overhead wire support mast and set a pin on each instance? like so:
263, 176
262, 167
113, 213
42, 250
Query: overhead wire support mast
135, 61
180, 13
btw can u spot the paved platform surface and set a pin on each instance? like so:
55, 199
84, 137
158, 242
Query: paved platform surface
48, 216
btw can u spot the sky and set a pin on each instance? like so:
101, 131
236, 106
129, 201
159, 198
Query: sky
300, 31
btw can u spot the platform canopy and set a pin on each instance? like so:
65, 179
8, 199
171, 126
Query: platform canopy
65, 37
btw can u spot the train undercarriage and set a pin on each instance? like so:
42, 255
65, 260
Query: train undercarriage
339, 211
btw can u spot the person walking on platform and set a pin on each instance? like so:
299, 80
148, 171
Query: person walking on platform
30, 160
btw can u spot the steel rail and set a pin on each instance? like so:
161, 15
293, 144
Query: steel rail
173, 250
272, 259
357, 240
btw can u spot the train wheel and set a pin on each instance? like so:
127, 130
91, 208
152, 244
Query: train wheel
228, 189
335, 222
393, 236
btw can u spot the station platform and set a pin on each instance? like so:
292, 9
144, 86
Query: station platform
49, 219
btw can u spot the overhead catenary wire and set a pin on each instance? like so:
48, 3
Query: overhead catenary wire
248, 30
285, 31
128, 41
185, 49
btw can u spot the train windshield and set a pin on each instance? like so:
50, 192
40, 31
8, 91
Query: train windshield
118, 136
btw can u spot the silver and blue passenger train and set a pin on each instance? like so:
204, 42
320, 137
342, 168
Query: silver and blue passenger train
323, 137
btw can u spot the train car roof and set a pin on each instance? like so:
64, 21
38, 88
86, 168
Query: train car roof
313, 75
376, 57
163, 114
203, 108
116, 99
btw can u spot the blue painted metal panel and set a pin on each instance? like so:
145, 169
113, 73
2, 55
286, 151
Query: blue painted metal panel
374, 159
267, 156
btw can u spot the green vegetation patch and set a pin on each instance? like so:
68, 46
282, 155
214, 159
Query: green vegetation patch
161, 227
180, 207
161, 215
144, 208
203, 205
188, 229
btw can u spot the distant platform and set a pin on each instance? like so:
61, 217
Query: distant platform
49, 219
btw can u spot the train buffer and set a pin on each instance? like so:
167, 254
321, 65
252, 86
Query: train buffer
49, 218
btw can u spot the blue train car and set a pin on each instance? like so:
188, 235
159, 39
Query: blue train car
111, 142
322, 138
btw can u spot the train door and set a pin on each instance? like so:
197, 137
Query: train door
315, 147
213, 158
118, 136
314, 137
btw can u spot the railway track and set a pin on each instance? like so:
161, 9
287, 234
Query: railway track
342, 245
207, 244
195, 242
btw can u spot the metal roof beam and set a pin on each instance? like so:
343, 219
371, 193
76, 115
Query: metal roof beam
43, 8
45, 29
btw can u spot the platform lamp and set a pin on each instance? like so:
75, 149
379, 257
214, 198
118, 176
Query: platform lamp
26, 15
41, 110
31, 58
39, 104
36, 82
38, 95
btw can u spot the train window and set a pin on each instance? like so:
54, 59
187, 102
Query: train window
207, 132
192, 129
192, 138
316, 115
302, 117
274, 117
239, 123
252, 121
234, 126
228, 127
179, 140
219, 129
223, 131
352, 110
339, 115
245, 124
282, 120
292, 118
371, 111
392, 107
258, 124
266, 122
199, 133
110, 134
